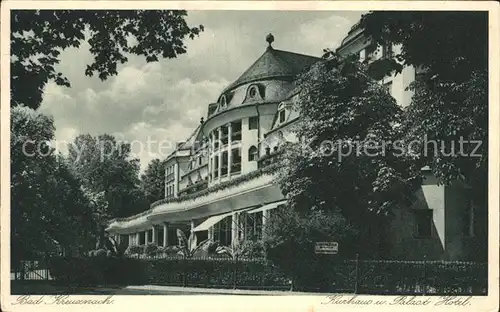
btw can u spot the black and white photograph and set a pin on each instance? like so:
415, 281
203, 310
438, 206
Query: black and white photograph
340, 153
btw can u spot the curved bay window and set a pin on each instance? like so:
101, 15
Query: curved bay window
216, 167
252, 153
252, 223
236, 131
222, 231
235, 160
224, 163
216, 139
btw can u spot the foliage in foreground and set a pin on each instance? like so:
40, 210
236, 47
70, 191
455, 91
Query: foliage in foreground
39, 36
50, 212
343, 163
450, 103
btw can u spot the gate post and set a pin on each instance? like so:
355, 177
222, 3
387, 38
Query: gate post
425, 276
356, 285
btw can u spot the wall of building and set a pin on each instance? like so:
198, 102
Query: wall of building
448, 241
402, 238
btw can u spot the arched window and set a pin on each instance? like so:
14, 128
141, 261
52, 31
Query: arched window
252, 92
252, 153
223, 101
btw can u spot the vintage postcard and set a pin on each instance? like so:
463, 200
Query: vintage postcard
245, 156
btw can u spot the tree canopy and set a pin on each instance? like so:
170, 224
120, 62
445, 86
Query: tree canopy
450, 102
65, 201
39, 36
153, 181
49, 210
343, 163
104, 165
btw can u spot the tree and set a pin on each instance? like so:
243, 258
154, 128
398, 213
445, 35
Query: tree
104, 165
153, 181
450, 102
345, 162
48, 209
290, 237
39, 36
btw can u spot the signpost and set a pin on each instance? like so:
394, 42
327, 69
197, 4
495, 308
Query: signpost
328, 248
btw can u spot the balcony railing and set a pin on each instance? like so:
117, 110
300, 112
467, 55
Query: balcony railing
236, 136
235, 168
220, 186
195, 187
203, 192
269, 159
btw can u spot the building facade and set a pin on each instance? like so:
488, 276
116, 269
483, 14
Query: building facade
219, 182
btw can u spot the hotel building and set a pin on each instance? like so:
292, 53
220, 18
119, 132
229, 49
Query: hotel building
219, 182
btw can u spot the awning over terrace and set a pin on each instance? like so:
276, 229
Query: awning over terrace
205, 225
268, 206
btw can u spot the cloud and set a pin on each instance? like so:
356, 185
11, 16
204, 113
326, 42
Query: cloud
164, 101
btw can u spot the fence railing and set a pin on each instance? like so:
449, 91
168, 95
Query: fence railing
408, 277
359, 276
33, 270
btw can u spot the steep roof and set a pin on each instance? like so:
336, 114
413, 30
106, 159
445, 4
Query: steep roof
275, 63
191, 140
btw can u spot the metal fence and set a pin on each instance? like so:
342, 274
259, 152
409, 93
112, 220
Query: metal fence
30, 270
408, 277
359, 276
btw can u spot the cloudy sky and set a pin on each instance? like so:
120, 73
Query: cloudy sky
164, 101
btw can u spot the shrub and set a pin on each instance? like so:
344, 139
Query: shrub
97, 271
289, 242
100, 253
251, 249
171, 250
151, 249
135, 249
216, 273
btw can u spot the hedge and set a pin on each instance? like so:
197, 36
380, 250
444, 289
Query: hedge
363, 276
93, 271
220, 273
217, 273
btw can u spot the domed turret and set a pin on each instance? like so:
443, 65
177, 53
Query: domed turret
270, 39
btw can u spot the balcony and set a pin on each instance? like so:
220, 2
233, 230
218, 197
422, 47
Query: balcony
236, 136
218, 198
195, 187
236, 168
269, 159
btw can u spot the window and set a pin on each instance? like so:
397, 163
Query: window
172, 236
222, 231
199, 160
223, 101
252, 224
253, 92
150, 236
423, 223
252, 153
159, 235
253, 123
388, 87
387, 51
282, 116
468, 219
236, 160
224, 163
370, 51
142, 238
